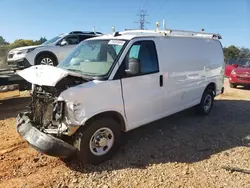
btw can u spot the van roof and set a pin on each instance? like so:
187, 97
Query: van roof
129, 34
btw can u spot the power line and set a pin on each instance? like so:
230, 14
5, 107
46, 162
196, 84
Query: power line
142, 21
145, 4
160, 7
165, 2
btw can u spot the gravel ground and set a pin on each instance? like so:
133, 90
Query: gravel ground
183, 150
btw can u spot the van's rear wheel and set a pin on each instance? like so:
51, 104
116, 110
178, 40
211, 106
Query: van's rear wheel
98, 141
206, 104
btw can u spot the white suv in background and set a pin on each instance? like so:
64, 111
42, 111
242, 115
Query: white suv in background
50, 52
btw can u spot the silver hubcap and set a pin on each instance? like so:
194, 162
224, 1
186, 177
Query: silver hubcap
47, 61
207, 102
101, 141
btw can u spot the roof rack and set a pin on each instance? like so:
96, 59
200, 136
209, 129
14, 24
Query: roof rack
194, 33
170, 32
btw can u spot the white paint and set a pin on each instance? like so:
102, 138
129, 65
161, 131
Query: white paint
143, 99
191, 64
45, 75
188, 65
91, 98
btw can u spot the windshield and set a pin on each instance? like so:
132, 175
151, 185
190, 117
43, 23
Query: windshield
241, 62
51, 41
93, 57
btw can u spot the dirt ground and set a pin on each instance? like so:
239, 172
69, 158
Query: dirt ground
183, 150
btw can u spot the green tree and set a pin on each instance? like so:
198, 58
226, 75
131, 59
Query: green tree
40, 41
20, 43
244, 53
3, 41
5, 47
231, 52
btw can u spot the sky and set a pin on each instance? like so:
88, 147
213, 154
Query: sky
32, 19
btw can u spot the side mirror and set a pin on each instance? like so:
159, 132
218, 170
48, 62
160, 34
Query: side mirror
235, 65
133, 67
63, 43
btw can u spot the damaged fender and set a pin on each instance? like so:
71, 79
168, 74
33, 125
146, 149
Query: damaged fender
84, 101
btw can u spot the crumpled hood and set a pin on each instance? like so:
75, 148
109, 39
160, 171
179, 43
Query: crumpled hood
45, 75
23, 48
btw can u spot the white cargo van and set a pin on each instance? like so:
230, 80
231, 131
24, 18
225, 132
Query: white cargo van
115, 83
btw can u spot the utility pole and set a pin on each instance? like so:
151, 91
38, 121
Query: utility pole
142, 14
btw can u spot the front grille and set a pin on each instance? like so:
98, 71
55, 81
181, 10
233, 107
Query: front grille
244, 75
244, 78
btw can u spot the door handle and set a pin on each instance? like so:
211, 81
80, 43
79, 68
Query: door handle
161, 80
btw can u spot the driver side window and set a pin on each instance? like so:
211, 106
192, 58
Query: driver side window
145, 54
134, 51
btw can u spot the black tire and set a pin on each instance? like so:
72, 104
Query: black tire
201, 108
41, 57
233, 85
82, 141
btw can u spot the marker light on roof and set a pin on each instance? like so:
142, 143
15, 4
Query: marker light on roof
157, 26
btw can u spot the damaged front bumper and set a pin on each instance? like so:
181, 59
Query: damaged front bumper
42, 142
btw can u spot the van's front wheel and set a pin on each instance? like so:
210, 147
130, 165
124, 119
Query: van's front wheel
98, 141
206, 103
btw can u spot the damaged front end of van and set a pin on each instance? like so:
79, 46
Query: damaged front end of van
50, 121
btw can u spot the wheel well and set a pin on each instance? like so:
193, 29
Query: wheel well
211, 86
110, 114
45, 53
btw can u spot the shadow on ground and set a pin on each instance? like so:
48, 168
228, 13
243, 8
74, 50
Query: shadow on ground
183, 138
11, 107
243, 87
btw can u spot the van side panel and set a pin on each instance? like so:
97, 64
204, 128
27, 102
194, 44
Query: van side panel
188, 66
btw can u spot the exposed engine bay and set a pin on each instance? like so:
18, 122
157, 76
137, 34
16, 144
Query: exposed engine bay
46, 112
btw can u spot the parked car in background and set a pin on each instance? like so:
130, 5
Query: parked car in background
240, 74
230, 65
50, 52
